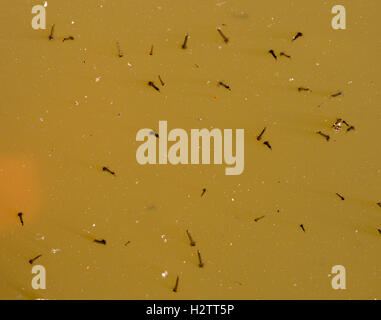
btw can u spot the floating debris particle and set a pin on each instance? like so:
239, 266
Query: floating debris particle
302, 227
304, 89
266, 143
127, 243
34, 259
21, 219
226, 39
108, 170
259, 218
176, 285
338, 123
340, 196
351, 128
203, 191
298, 35
273, 54
151, 51
379, 204
259, 137
191, 241
184, 46
326, 136
151, 84
102, 241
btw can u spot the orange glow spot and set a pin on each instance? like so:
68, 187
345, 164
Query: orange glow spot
19, 190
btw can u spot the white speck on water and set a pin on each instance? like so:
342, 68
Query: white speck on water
164, 239
45, 4
164, 274
219, 4
55, 250
40, 237
291, 79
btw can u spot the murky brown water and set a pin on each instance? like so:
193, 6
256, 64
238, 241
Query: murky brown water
70, 108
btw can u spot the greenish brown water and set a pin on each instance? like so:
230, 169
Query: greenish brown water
60, 126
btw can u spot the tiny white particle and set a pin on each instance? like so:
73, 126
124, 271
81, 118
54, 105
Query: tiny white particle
219, 4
